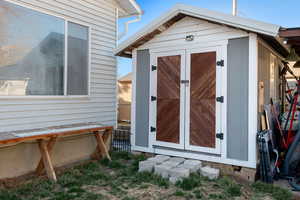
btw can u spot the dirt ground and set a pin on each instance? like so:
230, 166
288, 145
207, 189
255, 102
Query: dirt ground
119, 179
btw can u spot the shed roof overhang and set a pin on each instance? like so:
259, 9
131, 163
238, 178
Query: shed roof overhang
270, 31
292, 37
130, 8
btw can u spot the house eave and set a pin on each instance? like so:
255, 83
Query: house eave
131, 8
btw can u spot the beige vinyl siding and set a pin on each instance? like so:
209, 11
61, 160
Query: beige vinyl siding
28, 113
264, 66
124, 100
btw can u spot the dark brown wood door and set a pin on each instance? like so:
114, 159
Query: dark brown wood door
203, 99
168, 99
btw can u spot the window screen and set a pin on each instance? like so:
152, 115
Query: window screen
77, 59
31, 52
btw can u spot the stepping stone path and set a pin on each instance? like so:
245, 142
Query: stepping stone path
175, 168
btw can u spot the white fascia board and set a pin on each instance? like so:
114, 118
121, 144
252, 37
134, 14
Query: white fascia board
227, 19
147, 29
136, 7
130, 7
201, 13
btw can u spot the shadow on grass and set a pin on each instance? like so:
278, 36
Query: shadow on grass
276, 192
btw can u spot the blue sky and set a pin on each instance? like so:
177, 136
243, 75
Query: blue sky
285, 13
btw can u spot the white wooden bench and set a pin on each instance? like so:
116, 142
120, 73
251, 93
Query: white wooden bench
47, 138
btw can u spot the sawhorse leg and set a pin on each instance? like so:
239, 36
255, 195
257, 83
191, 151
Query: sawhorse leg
45, 161
101, 148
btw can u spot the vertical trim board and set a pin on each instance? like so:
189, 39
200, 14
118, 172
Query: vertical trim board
253, 94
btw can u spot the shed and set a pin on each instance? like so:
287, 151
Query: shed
196, 78
57, 69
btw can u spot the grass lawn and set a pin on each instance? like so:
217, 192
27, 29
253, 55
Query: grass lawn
119, 179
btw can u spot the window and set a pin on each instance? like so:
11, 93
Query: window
40, 54
77, 59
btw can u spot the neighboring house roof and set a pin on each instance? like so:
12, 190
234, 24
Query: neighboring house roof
180, 11
126, 78
130, 7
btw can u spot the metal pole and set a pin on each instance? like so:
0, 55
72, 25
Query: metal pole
234, 7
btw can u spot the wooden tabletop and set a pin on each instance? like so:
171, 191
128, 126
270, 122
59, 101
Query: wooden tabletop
48, 132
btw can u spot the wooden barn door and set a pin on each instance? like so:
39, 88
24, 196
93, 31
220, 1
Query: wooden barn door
184, 112
203, 112
168, 103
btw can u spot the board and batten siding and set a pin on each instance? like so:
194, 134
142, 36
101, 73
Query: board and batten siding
264, 66
34, 112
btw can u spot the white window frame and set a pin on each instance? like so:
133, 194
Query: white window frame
66, 21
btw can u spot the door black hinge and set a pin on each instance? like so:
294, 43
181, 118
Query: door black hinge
220, 136
153, 67
220, 99
220, 63
152, 129
153, 98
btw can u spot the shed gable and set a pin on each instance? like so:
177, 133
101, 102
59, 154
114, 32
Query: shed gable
202, 30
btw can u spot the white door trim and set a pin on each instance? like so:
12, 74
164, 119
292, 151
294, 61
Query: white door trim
253, 93
133, 98
153, 104
219, 106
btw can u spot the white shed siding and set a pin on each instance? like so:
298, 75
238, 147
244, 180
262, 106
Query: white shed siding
34, 112
202, 30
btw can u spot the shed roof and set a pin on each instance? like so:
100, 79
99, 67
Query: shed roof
179, 11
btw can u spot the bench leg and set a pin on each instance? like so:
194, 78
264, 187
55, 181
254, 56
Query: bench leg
107, 138
47, 160
50, 145
101, 147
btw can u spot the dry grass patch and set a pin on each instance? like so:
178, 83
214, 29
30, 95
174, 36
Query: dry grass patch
119, 179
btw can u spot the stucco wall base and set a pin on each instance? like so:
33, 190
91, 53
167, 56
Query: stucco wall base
23, 158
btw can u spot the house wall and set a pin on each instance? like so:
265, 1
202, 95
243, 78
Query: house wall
124, 99
238, 140
34, 112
